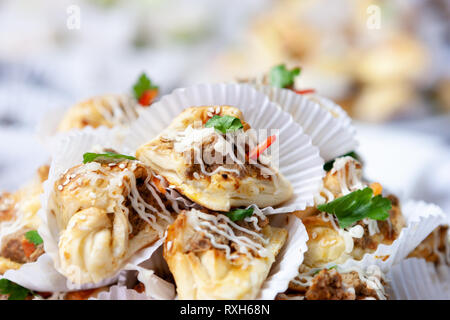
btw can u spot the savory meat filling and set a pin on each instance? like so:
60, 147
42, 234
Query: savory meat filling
329, 284
18, 249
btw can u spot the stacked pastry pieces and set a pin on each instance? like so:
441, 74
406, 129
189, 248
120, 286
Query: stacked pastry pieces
211, 249
192, 203
351, 219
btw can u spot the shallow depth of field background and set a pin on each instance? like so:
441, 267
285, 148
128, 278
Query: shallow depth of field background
393, 79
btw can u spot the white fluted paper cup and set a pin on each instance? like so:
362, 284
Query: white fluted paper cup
156, 288
287, 262
299, 160
421, 219
68, 152
417, 279
119, 292
327, 124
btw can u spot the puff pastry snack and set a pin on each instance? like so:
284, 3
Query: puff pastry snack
434, 248
209, 168
105, 213
337, 284
108, 110
328, 241
18, 216
212, 257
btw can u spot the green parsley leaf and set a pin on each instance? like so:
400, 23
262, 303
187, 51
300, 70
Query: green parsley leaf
224, 123
332, 267
33, 237
281, 77
239, 214
329, 268
105, 157
356, 206
12, 289
143, 84
329, 165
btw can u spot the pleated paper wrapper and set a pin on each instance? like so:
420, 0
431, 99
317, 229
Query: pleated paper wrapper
328, 125
299, 160
68, 152
417, 279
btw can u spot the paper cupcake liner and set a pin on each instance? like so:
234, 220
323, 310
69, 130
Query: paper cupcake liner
299, 160
421, 219
157, 263
327, 124
68, 152
416, 279
156, 288
118, 292
282, 271
286, 264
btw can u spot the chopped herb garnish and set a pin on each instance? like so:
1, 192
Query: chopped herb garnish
13, 290
33, 237
332, 267
259, 149
105, 157
329, 165
224, 123
356, 206
281, 77
239, 214
142, 85
329, 268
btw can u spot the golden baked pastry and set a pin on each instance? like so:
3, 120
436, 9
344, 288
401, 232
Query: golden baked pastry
336, 283
212, 257
107, 211
107, 110
202, 164
434, 248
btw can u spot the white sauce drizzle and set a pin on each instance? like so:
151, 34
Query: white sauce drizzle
223, 226
372, 277
122, 109
224, 145
113, 181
